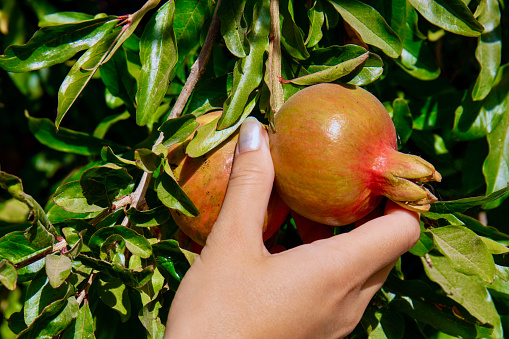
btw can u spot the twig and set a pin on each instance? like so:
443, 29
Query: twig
276, 89
85, 288
197, 70
55, 248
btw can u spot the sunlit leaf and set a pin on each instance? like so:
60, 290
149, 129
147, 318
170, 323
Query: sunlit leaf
151, 218
461, 205
135, 243
465, 251
371, 26
230, 13
158, 53
70, 197
8, 275
58, 268
60, 18
55, 44
177, 130
451, 15
83, 326
115, 294
100, 185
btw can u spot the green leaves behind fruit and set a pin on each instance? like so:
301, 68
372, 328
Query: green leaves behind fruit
170, 193
151, 218
171, 262
66, 140
248, 72
371, 26
55, 44
177, 130
461, 205
158, 53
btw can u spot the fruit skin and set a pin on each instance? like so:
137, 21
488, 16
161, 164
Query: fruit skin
335, 155
205, 180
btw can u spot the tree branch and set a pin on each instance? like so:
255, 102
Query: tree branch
276, 89
55, 248
197, 70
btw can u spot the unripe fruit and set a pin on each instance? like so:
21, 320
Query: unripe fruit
205, 180
335, 156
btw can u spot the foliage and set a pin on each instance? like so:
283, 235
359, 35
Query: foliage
76, 263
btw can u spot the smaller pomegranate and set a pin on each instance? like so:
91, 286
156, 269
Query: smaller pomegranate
205, 180
335, 156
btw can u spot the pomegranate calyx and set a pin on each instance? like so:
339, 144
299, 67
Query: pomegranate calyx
404, 177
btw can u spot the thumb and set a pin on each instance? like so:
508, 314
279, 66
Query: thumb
240, 222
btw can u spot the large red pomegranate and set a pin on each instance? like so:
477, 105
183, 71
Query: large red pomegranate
335, 156
205, 180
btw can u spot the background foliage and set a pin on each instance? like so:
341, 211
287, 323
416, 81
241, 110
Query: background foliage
83, 100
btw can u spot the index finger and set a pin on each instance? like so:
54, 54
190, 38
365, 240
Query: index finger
374, 245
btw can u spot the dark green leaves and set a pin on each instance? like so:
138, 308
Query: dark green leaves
461, 205
55, 44
170, 193
158, 53
371, 26
100, 185
231, 14
177, 130
135, 243
451, 15
66, 140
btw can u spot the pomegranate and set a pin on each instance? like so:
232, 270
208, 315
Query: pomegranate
205, 179
335, 156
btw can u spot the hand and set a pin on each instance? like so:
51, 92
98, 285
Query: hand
237, 289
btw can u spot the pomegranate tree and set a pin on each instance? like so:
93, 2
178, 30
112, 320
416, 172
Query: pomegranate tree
205, 180
335, 156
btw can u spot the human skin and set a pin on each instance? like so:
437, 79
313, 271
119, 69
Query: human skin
237, 289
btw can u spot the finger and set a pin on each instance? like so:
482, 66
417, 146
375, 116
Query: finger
373, 245
375, 282
240, 222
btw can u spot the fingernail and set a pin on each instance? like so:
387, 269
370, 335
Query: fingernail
249, 138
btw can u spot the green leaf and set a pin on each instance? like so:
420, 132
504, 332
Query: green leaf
70, 197
58, 268
136, 278
158, 53
55, 44
292, 37
149, 316
151, 218
64, 18
51, 327
248, 72
402, 119
371, 26
76, 244
208, 136
332, 73
489, 48
107, 155
83, 327
461, 205
135, 243
316, 20
177, 130
476, 226
188, 22
476, 119
15, 248
147, 160
494, 247
495, 167
469, 291
465, 251
416, 57
170, 260
105, 124
8, 275
208, 95
81, 73
100, 185
451, 15
170, 193
424, 244
231, 14
41, 233
117, 79
115, 294
42, 298
66, 140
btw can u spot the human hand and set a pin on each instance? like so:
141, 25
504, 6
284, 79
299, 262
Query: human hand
237, 289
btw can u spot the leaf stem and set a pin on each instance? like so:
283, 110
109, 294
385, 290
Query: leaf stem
55, 248
197, 70
82, 294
